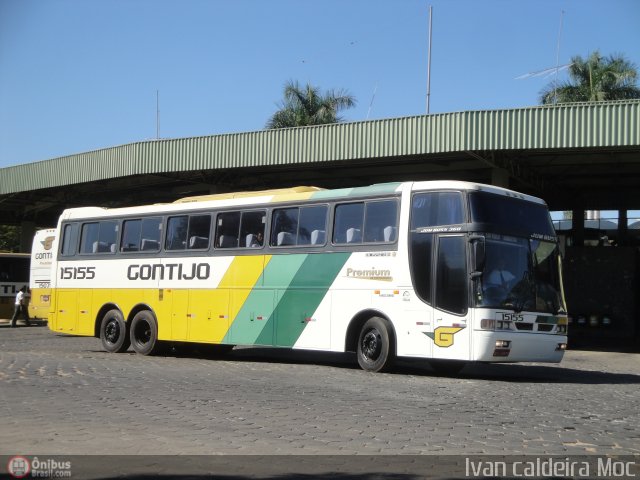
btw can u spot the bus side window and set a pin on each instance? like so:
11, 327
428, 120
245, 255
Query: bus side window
141, 235
176, 238
299, 226
131, 235
437, 208
69, 240
99, 237
252, 229
284, 227
421, 264
381, 220
89, 237
347, 226
312, 226
199, 230
151, 233
228, 230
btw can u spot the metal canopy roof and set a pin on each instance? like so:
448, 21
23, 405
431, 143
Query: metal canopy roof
573, 156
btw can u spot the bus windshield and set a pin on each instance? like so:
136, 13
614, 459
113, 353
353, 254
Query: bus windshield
520, 274
511, 214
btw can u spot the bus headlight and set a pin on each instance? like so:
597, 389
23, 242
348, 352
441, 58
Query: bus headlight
503, 348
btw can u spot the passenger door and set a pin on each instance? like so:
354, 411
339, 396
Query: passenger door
451, 326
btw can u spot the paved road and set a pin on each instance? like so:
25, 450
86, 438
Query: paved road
63, 395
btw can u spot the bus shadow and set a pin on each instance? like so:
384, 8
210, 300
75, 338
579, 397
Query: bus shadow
519, 373
34, 322
512, 373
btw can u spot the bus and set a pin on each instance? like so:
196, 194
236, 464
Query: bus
14, 274
385, 271
40, 275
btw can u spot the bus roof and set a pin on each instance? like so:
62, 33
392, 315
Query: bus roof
301, 193
273, 192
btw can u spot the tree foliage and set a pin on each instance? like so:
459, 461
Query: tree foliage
593, 79
303, 106
9, 238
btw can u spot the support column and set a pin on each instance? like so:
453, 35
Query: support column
622, 227
577, 223
27, 231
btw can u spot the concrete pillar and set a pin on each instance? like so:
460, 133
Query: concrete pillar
578, 227
27, 231
622, 227
500, 177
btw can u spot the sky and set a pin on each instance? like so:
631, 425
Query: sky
80, 75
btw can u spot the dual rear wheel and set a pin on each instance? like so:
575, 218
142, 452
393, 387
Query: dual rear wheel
142, 334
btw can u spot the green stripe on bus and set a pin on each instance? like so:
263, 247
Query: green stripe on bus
252, 319
289, 290
297, 304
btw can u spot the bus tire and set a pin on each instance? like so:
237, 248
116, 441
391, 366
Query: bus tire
114, 334
375, 348
144, 333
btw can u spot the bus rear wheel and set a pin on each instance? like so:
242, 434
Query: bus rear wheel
144, 333
113, 332
375, 348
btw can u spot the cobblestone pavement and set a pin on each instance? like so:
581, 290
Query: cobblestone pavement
64, 395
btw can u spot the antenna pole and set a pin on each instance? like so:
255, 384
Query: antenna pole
555, 82
157, 115
429, 61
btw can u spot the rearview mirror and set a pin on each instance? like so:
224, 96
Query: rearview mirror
478, 253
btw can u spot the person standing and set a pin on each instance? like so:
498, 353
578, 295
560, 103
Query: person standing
21, 305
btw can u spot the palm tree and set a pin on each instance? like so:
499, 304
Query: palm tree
307, 106
595, 79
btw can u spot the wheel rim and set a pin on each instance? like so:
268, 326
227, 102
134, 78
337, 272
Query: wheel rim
143, 333
371, 345
112, 331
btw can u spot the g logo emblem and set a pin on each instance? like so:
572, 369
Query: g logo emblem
443, 336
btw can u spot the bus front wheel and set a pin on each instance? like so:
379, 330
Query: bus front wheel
113, 332
375, 347
144, 333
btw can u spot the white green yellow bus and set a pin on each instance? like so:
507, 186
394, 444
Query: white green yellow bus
14, 274
386, 271
40, 276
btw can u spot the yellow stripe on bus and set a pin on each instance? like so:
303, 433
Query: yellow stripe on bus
241, 277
